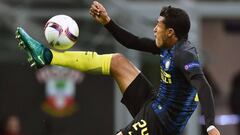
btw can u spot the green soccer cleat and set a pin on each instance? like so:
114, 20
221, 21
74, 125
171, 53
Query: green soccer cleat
35, 50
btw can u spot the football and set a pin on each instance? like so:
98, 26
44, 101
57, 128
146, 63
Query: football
61, 32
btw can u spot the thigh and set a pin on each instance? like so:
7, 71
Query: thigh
123, 71
137, 93
145, 123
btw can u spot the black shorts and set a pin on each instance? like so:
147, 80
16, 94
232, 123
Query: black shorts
138, 98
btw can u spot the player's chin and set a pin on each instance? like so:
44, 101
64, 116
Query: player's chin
158, 44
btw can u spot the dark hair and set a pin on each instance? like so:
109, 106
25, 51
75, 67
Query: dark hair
177, 19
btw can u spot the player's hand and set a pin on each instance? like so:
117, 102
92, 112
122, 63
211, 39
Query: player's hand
99, 13
214, 131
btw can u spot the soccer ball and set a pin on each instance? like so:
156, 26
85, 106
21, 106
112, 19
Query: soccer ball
61, 32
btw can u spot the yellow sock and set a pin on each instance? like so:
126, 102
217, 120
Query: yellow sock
84, 61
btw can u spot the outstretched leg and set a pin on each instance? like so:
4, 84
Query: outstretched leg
133, 85
116, 65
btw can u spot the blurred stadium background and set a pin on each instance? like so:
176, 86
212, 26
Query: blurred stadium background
215, 31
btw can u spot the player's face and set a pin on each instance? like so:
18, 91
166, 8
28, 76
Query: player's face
160, 32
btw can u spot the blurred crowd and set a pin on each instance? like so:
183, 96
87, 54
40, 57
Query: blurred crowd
11, 125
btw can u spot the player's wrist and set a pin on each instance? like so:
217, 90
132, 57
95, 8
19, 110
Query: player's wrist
107, 20
210, 128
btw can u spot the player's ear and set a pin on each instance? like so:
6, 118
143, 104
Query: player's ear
170, 32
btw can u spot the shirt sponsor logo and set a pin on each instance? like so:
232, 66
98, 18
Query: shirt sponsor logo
190, 66
165, 77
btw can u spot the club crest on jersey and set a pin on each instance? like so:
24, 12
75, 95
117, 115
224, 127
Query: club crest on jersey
191, 66
167, 64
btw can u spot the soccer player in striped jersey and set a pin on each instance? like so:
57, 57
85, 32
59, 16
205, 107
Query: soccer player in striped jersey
182, 85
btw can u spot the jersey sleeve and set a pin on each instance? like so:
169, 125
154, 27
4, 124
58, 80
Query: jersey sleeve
130, 40
189, 65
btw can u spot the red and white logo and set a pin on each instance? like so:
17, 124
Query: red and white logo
60, 89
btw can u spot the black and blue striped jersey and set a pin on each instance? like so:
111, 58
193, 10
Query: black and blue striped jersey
176, 99
182, 80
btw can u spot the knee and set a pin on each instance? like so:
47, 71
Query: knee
118, 62
123, 71
117, 59
120, 65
